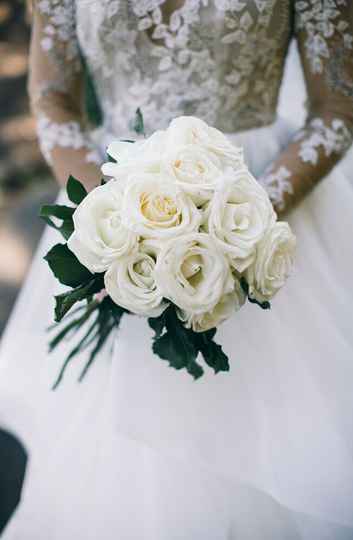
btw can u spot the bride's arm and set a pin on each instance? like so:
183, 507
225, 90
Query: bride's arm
56, 93
325, 39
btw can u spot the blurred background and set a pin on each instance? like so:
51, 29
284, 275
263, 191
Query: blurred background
25, 183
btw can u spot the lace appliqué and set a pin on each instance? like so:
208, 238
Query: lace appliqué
322, 20
65, 135
333, 139
277, 183
220, 60
337, 75
59, 34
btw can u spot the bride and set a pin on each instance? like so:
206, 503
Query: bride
139, 451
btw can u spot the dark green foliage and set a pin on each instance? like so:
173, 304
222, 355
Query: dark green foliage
96, 319
158, 324
103, 318
57, 210
75, 190
65, 301
252, 300
111, 159
181, 346
93, 108
60, 212
212, 351
76, 193
66, 267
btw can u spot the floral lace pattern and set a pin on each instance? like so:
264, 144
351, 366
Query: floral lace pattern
65, 135
277, 183
220, 60
59, 34
334, 138
202, 58
321, 19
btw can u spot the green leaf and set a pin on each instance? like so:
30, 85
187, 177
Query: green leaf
107, 319
116, 311
84, 342
194, 369
177, 345
74, 323
180, 346
56, 210
245, 286
167, 348
158, 324
212, 351
106, 324
138, 123
111, 159
65, 301
66, 267
75, 190
92, 105
66, 229
60, 212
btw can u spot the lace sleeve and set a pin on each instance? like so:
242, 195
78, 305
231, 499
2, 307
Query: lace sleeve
56, 92
325, 39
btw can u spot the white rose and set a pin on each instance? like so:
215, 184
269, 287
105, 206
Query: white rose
238, 216
99, 236
155, 207
193, 273
196, 170
130, 282
228, 304
143, 155
190, 130
273, 262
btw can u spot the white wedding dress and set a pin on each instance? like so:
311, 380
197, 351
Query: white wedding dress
139, 451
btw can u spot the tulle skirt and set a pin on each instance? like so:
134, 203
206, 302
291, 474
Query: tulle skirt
140, 451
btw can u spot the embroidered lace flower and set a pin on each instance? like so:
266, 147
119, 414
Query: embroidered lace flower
60, 30
219, 60
200, 58
65, 135
277, 183
335, 138
322, 21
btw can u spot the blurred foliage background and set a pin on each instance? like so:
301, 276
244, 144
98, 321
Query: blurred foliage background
25, 181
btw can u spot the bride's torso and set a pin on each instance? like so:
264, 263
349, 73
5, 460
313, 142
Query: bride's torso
220, 60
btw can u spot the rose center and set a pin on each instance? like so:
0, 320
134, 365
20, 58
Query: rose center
143, 272
158, 207
192, 169
237, 217
192, 269
108, 225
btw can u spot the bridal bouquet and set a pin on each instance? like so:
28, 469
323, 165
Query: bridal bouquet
182, 234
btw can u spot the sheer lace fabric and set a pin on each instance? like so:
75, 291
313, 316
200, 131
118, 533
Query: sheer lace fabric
221, 60
56, 91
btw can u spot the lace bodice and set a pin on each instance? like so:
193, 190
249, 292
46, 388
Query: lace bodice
220, 60
216, 60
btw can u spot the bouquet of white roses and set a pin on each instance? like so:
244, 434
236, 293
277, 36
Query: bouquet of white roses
182, 234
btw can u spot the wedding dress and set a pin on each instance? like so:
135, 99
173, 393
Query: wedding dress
138, 450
